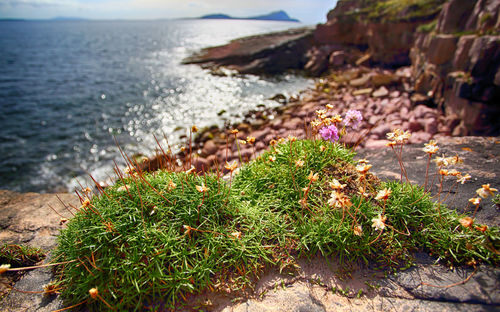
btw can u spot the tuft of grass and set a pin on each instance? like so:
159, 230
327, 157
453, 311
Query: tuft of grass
152, 239
20, 255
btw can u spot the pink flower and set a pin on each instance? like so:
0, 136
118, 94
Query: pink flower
330, 133
354, 117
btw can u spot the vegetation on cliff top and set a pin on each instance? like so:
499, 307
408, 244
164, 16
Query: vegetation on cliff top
154, 238
396, 10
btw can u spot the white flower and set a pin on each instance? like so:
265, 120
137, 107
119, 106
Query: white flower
379, 222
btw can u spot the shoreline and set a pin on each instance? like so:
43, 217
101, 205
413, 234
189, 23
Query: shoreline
384, 97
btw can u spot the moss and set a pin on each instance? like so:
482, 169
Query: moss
397, 10
427, 28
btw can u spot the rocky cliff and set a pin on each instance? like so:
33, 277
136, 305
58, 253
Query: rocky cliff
457, 64
453, 47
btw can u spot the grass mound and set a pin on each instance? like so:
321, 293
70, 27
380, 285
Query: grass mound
153, 238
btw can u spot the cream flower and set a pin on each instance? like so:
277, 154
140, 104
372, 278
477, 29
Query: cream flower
236, 235
201, 188
486, 191
313, 177
379, 222
299, 163
430, 149
231, 166
383, 194
336, 185
466, 222
462, 179
363, 168
358, 230
475, 200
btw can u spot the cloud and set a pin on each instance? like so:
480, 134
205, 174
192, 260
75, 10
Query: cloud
37, 3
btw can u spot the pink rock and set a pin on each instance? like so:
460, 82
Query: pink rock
259, 135
394, 94
442, 49
415, 126
268, 138
260, 146
380, 131
209, 147
373, 144
294, 123
201, 164
431, 126
212, 159
422, 111
374, 119
420, 137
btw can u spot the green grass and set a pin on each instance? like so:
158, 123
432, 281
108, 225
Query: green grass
20, 255
154, 244
397, 10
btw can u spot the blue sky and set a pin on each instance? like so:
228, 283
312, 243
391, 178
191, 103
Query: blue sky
308, 11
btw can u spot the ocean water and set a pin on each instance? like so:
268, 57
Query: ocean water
67, 88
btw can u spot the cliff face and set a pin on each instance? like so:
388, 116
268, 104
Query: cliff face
453, 47
383, 31
457, 64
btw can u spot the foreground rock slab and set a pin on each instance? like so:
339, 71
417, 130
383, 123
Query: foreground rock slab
28, 219
318, 284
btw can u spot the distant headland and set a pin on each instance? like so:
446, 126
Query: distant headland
273, 16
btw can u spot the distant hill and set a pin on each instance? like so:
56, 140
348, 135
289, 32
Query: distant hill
68, 18
273, 16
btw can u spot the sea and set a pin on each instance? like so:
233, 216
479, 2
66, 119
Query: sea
70, 89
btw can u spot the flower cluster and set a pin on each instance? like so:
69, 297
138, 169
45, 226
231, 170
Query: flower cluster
353, 118
398, 136
329, 133
328, 126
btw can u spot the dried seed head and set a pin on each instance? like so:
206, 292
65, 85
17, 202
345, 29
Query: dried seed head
4, 268
93, 292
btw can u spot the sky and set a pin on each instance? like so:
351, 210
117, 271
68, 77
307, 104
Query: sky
307, 11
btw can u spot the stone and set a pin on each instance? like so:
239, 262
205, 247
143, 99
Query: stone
484, 53
362, 91
415, 126
453, 15
420, 137
259, 135
201, 164
442, 49
375, 144
363, 80
461, 59
422, 112
431, 126
419, 99
383, 79
337, 58
209, 147
381, 130
318, 58
380, 92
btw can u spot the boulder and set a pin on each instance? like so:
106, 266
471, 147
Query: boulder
337, 58
453, 15
485, 57
209, 148
461, 58
442, 49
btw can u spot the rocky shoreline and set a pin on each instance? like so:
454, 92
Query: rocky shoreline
384, 98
